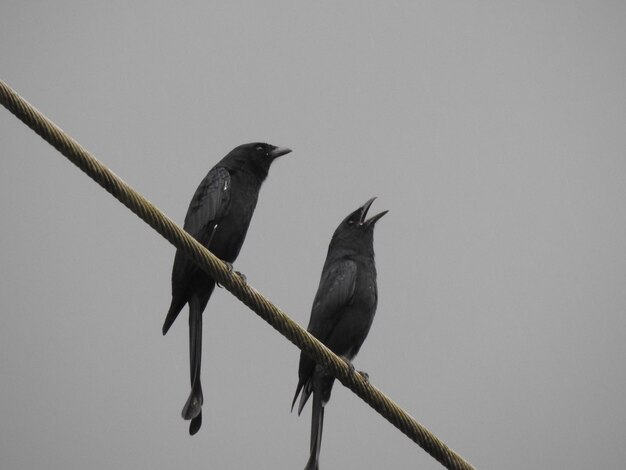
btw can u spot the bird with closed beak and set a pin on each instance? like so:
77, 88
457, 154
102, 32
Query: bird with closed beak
218, 217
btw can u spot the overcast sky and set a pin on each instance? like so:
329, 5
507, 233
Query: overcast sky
494, 132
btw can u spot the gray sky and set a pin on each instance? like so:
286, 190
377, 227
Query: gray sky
494, 132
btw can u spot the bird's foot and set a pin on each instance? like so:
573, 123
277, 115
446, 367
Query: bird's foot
365, 375
230, 269
348, 363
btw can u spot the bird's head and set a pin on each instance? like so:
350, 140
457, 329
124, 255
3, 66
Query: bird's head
256, 157
356, 227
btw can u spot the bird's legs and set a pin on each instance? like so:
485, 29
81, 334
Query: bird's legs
365, 375
230, 269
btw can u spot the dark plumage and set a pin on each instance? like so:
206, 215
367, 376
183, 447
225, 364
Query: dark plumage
342, 313
218, 217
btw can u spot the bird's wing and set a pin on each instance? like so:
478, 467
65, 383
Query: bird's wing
209, 204
335, 291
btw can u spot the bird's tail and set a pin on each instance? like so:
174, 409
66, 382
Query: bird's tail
193, 408
175, 307
304, 386
195, 424
317, 423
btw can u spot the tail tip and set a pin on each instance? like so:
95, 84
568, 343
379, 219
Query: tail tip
193, 407
195, 424
166, 325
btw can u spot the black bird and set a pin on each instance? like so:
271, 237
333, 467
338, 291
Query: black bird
342, 312
218, 217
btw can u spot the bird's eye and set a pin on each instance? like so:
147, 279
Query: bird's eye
260, 149
350, 222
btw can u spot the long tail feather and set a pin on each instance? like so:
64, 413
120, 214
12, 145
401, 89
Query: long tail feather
193, 407
317, 423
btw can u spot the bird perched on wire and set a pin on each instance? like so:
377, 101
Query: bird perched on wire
342, 312
218, 217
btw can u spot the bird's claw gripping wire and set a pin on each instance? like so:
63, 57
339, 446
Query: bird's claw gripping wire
363, 374
348, 363
231, 269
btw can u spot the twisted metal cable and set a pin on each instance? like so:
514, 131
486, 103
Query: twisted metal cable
258, 303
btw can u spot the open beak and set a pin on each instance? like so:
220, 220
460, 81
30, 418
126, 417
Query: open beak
372, 220
279, 152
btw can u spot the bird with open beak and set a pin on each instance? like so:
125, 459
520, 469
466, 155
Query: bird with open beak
342, 312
